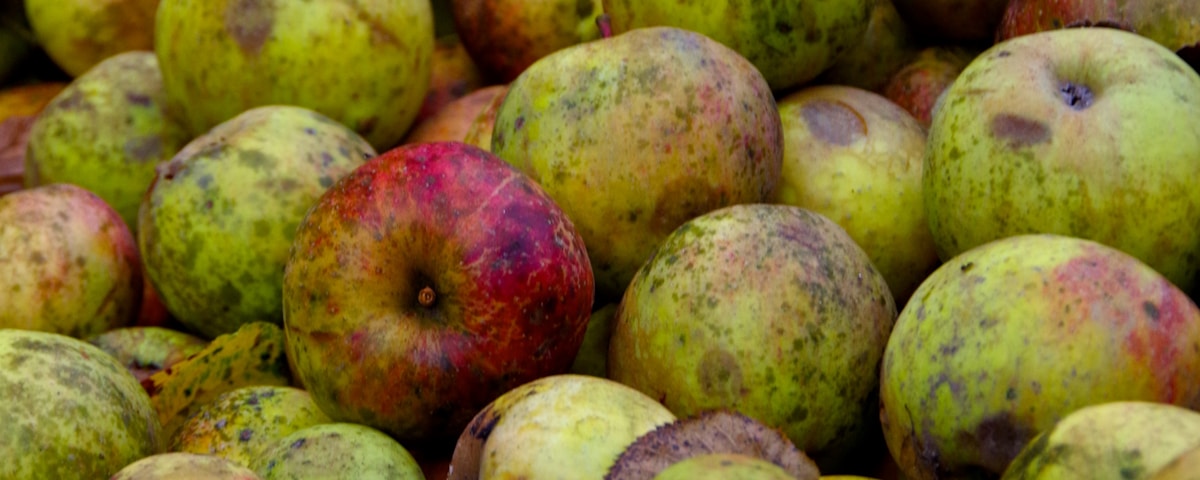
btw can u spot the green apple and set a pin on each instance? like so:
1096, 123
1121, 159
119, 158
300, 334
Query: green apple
365, 64
68, 264
855, 157
107, 131
789, 42
637, 133
70, 410
1114, 440
241, 424
769, 310
724, 466
184, 466
78, 34
1087, 132
148, 350
337, 450
1006, 339
217, 222
506, 36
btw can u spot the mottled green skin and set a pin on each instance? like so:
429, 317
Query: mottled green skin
1110, 441
1008, 155
79, 34
184, 466
218, 221
1006, 339
106, 132
886, 46
592, 358
635, 134
363, 63
770, 310
240, 424
789, 42
724, 466
69, 264
337, 450
148, 350
70, 410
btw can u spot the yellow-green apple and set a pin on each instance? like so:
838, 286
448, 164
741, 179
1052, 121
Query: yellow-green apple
1007, 338
1086, 132
242, 423
365, 64
855, 157
1183, 467
886, 47
337, 450
453, 75
956, 21
1117, 440
1173, 23
217, 222
106, 132
593, 354
917, 86
147, 350
78, 34
637, 133
560, 426
68, 263
428, 282
184, 466
70, 411
725, 466
454, 120
506, 36
770, 310
789, 42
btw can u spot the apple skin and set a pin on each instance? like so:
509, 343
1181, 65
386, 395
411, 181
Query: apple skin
337, 450
455, 119
1007, 338
886, 47
506, 36
637, 133
770, 310
106, 132
1076, 132
789, 42
184, 466
918, 85
366, 64
479, 131
70, 264
510, 280
453, 75
78, 34
147, 350
956, 21
1171, 23
856, 157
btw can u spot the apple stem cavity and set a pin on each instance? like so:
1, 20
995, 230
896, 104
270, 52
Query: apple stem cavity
605, 25
1076, 96
426, 297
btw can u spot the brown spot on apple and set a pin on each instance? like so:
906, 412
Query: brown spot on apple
998, 439
833, 122
250, 22
719, 373
1018, 131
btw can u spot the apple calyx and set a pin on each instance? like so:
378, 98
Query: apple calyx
426, 297
1076, 96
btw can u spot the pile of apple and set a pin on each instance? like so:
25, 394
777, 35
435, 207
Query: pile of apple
255, 239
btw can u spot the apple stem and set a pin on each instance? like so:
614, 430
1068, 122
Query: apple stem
605, 25
426, 297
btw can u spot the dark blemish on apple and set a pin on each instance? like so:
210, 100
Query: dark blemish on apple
833, 122
783, 27
138, 99
998, 439
520, 122
326, 159
719, 374
204, 181
368, 125
1151, 310
583, 8
38, 258
1003, 54
250, 22
298, 443
966, 267
143, 149
309, 131
1076, 96
1019, 131
483, 430
245, 435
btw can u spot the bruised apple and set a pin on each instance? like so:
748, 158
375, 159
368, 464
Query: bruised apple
428, 282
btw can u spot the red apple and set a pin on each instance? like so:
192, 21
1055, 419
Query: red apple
428, 282
917, 86
453, 75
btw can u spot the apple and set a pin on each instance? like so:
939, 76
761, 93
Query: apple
70, 410
725, 466
1107, 441
480, 129
918, 85
955, 21
1007, 338
365, 64
78, 34
337, 450
453, 75
68, 263
184, 466
506, 36
789, 42
637, 133
887, 46
241, 424
18, 107
454, 121
428, 282
217, 220
107, 132
1087, 132
769, 310
855, 157
148, 350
